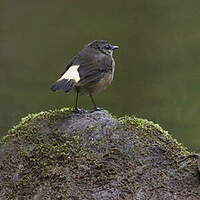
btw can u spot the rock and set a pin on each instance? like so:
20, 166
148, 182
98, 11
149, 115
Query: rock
62, 155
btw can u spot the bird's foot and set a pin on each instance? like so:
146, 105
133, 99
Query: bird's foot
79, 111
97, 109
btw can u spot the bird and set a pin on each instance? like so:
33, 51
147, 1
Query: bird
90, 71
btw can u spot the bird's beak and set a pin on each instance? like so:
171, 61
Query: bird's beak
115, 47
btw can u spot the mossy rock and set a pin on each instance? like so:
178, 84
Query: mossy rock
62, 155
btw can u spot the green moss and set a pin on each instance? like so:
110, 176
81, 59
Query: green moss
5, 139
58, 113
149, 126
29, 129
30, 124
43, 153
141, 123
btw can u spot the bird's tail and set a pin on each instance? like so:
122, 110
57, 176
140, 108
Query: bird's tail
63, 84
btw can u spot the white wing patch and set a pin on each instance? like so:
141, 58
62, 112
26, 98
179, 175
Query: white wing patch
71, 73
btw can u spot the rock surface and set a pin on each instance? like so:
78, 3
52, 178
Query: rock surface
62, 155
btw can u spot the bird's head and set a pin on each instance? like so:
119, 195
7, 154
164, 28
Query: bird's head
103, 46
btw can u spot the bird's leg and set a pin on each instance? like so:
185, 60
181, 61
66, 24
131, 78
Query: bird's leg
77, 110
95, 106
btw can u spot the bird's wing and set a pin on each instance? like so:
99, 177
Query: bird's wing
94, 70
71, 62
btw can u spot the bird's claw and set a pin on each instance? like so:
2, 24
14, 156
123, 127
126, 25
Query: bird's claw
77, 110
97, 109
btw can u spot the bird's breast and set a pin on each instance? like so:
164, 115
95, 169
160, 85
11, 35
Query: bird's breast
102, 84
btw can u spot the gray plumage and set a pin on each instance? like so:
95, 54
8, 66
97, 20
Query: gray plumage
90, 71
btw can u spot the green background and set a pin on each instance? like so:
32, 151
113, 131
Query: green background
157, 66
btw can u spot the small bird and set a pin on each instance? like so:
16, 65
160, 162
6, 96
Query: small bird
90, 71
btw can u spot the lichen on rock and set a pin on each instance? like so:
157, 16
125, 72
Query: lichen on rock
92, 155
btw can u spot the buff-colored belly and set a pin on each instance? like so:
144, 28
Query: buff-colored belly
101, 85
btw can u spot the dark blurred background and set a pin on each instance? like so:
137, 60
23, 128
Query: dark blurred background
157, 67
